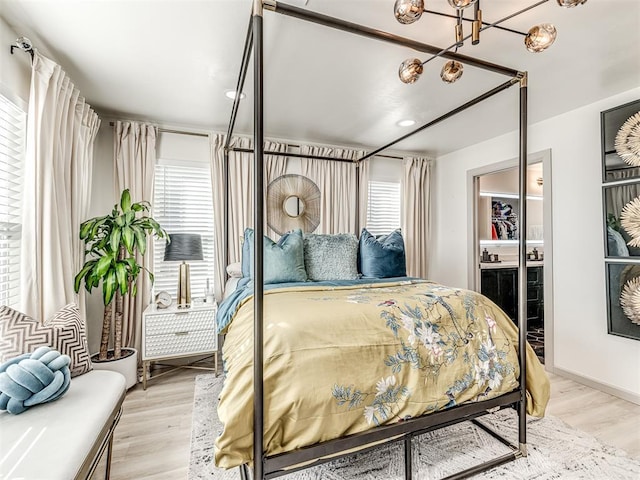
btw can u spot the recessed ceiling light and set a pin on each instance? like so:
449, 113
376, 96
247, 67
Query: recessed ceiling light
406, 123
232, 94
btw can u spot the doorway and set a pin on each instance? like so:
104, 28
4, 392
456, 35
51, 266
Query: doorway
495, 227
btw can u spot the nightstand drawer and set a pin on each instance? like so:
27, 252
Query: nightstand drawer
180, 343
171, 322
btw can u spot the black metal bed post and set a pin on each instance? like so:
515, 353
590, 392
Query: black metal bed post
408, 457
351, 27
441, 118
358, 171
522, 270
258, 246
244, 66
225, 170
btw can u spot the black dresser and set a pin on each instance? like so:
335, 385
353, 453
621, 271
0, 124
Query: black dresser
501, 285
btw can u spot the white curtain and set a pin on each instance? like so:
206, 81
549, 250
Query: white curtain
363, 193
218, 190
134, 151
61, 131
240, 197
416, 191
337, 183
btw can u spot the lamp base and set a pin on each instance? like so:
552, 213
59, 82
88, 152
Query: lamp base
184, 286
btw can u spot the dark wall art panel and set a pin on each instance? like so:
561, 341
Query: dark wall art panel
623, 285
619, 142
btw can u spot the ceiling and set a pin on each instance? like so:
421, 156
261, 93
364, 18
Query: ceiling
170, 62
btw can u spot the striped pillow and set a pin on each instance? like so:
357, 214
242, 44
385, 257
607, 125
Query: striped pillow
65, 332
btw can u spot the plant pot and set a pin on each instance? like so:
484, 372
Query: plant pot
126, 365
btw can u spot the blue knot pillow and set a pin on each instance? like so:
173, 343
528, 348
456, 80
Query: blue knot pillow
382, 256
39, 377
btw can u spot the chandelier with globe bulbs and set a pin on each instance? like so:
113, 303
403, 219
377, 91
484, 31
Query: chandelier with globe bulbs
537, 39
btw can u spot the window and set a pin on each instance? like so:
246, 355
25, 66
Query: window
383, 211
12, 145
183, 204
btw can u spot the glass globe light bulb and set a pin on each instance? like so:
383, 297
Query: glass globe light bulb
24, 43
408, 11
410, 70
540, 37
570, 3
460, 4
451, 71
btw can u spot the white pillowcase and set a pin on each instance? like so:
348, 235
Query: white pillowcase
234, 270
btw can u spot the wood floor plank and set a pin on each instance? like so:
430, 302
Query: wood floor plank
153, 438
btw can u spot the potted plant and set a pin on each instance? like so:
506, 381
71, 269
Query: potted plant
111, 244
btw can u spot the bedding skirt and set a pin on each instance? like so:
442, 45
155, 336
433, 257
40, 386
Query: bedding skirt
339, 360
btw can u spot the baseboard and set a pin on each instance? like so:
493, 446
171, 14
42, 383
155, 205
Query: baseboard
603, 387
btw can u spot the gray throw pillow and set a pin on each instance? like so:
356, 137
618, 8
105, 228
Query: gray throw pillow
331, 257
283, 261
64, 332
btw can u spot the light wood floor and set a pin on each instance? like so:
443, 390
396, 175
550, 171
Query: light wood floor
152, 439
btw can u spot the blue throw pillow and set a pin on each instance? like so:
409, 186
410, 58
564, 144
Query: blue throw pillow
283, 261
382, 257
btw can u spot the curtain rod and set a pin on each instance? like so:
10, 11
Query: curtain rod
302, 155
283, 154
182, 132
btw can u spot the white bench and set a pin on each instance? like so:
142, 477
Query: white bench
64, 439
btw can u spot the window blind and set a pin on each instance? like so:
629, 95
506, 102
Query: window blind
183, 203
12, 146
384, 206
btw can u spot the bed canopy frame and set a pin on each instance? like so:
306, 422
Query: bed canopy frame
267, 467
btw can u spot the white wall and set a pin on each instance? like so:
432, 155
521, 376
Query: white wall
581, 344
15, 70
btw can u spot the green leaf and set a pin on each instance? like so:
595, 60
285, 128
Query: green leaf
120, 221
85, 270
125, 201
141, 239
86, 227
102, 266
129, 217
114, 238
122, 277
128, 238
109, 287
134, 290
96, 226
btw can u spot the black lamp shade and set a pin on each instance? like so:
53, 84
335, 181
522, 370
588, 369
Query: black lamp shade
182, 247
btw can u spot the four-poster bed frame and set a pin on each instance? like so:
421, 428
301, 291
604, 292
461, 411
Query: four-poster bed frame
266, 467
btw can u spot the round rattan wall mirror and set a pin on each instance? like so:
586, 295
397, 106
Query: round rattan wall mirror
293, 201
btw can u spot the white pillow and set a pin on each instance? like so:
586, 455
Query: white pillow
234, 270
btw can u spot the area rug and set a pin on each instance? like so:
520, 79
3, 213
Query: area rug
556, 450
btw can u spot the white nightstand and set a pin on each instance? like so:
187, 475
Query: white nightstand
175, 333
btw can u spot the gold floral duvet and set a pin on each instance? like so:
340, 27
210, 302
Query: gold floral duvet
341, 360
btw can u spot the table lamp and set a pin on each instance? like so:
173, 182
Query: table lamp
183, 247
